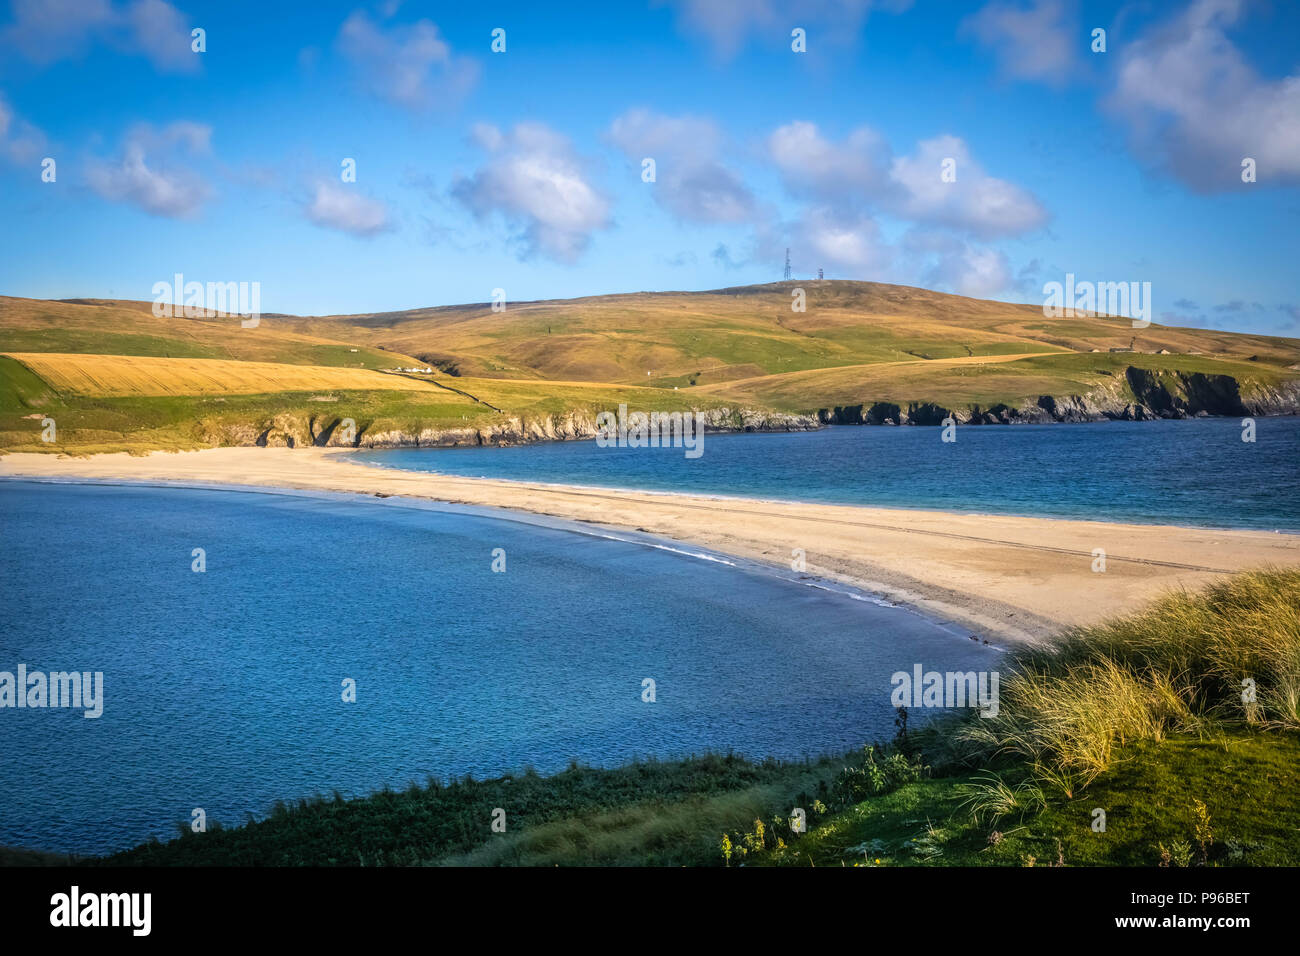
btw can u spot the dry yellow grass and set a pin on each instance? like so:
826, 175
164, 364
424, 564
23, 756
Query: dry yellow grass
130, 375
742, 333
131, 328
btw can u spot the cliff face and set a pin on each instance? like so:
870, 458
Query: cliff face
1281, 400
1138, 395
294, 430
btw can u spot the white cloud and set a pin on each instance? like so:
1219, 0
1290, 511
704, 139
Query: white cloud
813, 166
534, 180
45, 31
1035, 42
20, 141
1195, 106
847, 242
195, 138
337, 206
176, 192
160, 32
861, 171
689, 180
977, 202
729, 24
640, 132
851, 244
411, 65
945, 261
48, 30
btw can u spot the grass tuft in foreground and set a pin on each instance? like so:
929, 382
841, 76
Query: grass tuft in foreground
1132, 742
1192, 663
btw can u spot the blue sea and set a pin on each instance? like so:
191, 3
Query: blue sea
1190, 472
223, 690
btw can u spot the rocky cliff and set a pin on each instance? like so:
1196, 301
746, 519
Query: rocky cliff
292, 430
1138, 395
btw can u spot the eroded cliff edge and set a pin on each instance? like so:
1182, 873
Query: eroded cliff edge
1135, 395
324, 430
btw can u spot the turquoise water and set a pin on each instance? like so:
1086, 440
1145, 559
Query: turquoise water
223, 689
1192, 472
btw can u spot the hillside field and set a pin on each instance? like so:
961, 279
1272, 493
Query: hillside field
115, 376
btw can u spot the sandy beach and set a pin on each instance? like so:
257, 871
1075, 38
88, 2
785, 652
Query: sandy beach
1017, 579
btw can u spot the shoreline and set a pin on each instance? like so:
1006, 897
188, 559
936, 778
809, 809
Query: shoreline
514, 516
1021, 579
349, 454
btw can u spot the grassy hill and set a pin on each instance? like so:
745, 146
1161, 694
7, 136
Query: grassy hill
116, 376
105, 327
750, 331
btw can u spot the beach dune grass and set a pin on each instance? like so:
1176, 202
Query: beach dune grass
1172, 723
1245, 779
1227, 655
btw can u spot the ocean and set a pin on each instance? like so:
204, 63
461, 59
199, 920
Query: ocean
223, 689
1189, 472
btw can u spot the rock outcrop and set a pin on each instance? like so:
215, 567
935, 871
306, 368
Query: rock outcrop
292, 430
1138, 395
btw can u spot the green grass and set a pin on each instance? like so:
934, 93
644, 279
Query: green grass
644, 812
1011, 383
1195, 699
1228, 656
753, 331
119, 328
89, 425
1247, 781
170, 423
104, 343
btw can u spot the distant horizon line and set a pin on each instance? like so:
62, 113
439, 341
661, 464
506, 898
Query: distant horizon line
792, 283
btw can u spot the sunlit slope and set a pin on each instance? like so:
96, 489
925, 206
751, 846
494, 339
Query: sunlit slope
130, 328
127, 375
982, 380
682, 338
114, 403
122, 376
119, 375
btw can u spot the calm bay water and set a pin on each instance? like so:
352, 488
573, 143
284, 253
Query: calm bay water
223, 689
1193, 472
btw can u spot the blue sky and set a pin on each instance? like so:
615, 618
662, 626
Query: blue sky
522, 170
